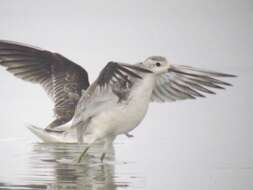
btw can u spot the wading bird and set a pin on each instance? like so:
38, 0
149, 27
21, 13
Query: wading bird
117, 101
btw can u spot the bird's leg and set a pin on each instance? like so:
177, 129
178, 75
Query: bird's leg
107, 145
83, 153
129, 135
102, 157
89, 140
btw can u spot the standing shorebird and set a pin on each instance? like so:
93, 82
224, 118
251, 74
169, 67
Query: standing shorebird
117, 101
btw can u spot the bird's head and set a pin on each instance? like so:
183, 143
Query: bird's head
157, 64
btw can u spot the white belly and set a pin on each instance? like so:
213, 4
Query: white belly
124, 117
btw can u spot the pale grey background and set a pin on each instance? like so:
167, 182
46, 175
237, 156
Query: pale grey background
204, 144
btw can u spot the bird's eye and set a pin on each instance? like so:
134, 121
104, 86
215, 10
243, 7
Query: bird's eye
158, 64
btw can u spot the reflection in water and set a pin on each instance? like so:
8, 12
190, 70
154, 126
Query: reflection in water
59, 162
54, 166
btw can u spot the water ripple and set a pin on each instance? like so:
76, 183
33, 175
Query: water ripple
54, 166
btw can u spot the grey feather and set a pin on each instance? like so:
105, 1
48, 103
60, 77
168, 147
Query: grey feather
182, 82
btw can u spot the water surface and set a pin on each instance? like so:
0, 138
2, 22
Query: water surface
54, 166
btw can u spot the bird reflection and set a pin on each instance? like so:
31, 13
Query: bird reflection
56, 164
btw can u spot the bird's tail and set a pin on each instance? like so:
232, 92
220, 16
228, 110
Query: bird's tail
53, 137
59, 128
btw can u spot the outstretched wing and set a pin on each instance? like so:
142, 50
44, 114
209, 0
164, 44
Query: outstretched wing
183, 82
62, 79
111, 87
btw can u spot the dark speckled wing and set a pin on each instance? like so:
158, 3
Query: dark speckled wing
115, 72
62, 79
119, 77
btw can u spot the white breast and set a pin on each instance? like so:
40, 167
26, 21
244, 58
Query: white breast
126, 116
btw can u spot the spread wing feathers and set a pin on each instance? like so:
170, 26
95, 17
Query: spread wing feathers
116, 72
62, 79
111, 87
183, 82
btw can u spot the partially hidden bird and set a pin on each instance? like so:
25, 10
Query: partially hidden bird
116, 102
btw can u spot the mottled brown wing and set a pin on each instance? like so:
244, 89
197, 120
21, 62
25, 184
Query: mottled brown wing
62, 79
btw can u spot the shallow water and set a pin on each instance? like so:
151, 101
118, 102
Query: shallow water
128, 165
54, 166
